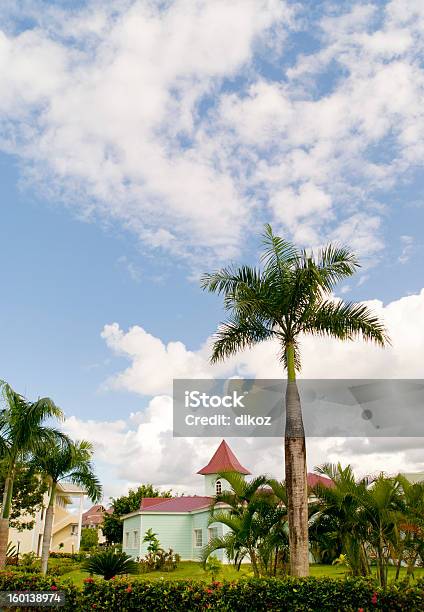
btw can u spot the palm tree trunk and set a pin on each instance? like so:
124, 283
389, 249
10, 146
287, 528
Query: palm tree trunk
5, 515
48, 528
295, 461
252, 555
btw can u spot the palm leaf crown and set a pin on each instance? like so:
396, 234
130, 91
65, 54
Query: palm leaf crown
290, 295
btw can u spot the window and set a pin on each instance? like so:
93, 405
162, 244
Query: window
218, 487
198, 540
135, 537
74, 529
127, 539
213, 533
42, 513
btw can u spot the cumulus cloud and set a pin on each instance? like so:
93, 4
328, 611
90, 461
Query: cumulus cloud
162, 117
140, 447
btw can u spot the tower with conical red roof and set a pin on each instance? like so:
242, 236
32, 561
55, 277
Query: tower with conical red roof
223, 460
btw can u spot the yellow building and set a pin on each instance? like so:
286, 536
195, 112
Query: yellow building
67, 521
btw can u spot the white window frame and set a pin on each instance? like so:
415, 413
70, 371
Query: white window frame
218, 485
135, 536
212, 533
198, 532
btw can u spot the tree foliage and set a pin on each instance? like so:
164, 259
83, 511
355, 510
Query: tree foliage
89, 538
28, 495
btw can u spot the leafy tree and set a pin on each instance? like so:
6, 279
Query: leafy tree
70, 462
89, 538
110, 563
112, 526
289, 297
22, 432
28, 495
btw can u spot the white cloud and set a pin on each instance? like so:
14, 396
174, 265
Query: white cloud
119, 110
407, 249
101, 121
140, 448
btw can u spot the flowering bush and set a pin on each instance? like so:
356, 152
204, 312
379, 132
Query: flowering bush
256, 595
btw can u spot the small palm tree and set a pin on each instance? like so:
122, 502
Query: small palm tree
338, 514
110, 563
381, 514
290, 297
70, 462
240, 517
22, 432
411, 542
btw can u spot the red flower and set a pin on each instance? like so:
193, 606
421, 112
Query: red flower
128, 590
374, 598
88, 580
209, 591
216, 583
53, 587
361, 610
94, 605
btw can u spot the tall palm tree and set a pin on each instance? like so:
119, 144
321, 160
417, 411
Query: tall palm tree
72, 463
289, 297
22, 432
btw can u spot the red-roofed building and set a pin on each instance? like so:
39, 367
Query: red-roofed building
93, 518
314, 479
181, 523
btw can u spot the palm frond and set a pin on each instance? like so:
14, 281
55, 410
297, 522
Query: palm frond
237, 334
346, 321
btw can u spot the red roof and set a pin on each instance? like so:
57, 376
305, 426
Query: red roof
185, 503
224, 460
146, 502
94, 516
314, 479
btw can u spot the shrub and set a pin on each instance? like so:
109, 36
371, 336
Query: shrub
110, 563
254, 595
159, 561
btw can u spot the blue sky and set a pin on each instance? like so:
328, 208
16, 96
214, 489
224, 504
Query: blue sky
143, 143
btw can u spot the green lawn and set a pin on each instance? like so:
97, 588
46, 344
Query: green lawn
192, 570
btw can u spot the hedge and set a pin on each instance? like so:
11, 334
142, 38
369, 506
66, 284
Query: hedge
255, 595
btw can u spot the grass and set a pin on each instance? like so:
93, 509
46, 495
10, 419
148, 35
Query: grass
191, 570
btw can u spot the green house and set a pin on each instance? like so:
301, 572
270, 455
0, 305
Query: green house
181, 523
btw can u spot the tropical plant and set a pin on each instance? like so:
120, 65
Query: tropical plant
22, 432
257, 522
289, 297
242, 499
381, 514
411, 526
109, 563
213, 566
338, 515
69, 462
153, 544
